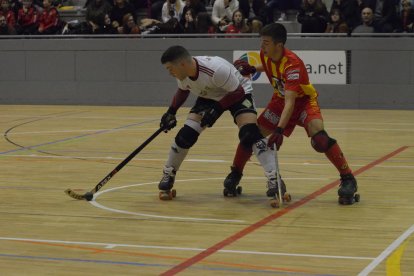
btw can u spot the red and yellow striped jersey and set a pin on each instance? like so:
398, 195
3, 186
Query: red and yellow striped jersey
289, 73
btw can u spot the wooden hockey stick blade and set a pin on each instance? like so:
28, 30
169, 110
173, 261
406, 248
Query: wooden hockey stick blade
74, 195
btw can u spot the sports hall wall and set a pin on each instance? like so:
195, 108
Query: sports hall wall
127, 71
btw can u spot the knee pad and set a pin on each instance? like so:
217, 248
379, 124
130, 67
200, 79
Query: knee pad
186, 137
321, 142
249, 134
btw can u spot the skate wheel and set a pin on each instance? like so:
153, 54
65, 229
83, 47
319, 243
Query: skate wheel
225, 192
165, 195
274, 203
239, 190
356, 197
287, 197
173, 193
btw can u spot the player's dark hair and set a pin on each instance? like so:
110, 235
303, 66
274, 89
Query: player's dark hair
175, 53
276, 31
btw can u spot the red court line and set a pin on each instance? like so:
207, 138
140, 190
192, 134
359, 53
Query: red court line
209, 251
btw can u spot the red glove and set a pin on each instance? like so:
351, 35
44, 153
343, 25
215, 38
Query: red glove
244, 67
276, 138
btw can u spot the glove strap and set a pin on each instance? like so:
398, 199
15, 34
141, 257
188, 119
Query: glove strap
171, 110
279, 130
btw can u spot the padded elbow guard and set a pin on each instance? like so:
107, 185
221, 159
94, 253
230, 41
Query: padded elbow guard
321, 142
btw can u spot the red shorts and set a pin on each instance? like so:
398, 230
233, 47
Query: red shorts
305, 111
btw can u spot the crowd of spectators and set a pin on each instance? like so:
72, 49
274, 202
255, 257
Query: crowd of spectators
33, 17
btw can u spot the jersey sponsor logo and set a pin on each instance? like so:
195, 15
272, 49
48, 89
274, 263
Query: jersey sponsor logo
294, 76
279, 85
271, 117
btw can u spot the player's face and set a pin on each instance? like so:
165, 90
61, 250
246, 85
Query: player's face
270, 48
176, 69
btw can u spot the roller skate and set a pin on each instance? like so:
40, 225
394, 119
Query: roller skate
347, 190
273, 190
231, 183
166, 184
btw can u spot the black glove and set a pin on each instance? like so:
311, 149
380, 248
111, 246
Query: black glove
211, 115
244, 67
168, 120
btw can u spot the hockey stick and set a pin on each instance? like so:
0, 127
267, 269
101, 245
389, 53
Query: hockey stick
278, 179
89, 195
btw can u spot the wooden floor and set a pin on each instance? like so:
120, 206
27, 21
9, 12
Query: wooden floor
127, 230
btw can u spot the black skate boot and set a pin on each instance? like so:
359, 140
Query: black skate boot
231, 182
166, 184
347, 190
273, 190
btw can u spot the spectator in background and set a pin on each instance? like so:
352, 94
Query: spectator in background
204, 24
222, 13
282, 6
385, 16
255, 12
6, 29
189, 25
313, 16
155, 9
49, 22
129, 26
238, 24
120, 9
367, 26
172, 9
349, 10
194, 5
27, 19
8, 13
108, 27
406, 18
336, 23
95, 12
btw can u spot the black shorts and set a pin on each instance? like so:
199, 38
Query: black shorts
245, 105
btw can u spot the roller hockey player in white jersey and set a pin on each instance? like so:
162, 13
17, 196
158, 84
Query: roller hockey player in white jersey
219, 87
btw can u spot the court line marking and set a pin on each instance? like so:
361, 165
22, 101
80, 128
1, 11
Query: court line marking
368, 269
242, 252
191, 160
238, 235
98, 205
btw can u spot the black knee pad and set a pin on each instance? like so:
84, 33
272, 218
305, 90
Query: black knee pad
186, 137
321, 142
249, 134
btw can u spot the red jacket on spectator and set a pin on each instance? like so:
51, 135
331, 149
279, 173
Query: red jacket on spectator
28, 18
48, 18
10, 18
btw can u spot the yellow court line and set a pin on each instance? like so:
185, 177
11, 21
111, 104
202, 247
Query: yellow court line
394, 261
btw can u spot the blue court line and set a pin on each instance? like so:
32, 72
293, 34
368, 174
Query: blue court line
75, 260
73, 138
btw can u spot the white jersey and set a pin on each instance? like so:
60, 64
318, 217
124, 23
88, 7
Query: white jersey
215, 78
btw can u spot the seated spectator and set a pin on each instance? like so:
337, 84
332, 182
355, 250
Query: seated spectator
385, 16
255, 12
313, 16
172, 9
189, 26
196, 6
349, 10
95, 12
155, 9
8, 13
222, 13
6, 29
27, 19
121, 7
129, 26
336, 24
204, 24
406, 18
367, 26
49, 22
238, 24
282, 6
